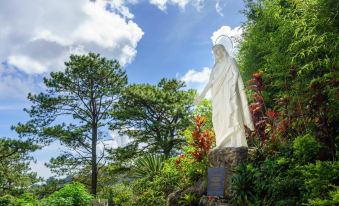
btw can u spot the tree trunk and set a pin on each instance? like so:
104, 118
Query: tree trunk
94, 159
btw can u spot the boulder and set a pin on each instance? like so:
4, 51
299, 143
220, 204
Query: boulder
198, 188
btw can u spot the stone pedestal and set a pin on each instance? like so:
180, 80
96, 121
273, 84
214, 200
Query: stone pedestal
229, 158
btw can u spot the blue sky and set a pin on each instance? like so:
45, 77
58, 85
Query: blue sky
151, 38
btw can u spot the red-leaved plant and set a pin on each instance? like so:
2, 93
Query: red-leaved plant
202, 139
266, 123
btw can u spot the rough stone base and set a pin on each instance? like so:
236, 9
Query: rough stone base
229, 158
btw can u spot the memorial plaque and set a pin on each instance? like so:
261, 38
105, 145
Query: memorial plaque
216, 181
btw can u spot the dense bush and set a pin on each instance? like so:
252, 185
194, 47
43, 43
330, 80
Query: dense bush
306, 148
293, 44
290, 55
281, 180
74, 194
7, 200
118, 194
26, 199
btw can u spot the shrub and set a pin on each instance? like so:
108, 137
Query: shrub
74, 194
243, 184
7, 200
27, 199
273, 181
332, 200
306, 148
118, 194
319, 179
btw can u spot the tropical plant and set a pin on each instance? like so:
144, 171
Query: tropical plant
202, 139
148, 166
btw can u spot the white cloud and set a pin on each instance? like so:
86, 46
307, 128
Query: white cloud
38, 36
41, 170
193, 76
118, 140
26, 64
162, 4
14, 84
235, 34
219, 8
196, 79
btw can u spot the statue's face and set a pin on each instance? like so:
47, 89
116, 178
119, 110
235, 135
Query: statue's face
218, 52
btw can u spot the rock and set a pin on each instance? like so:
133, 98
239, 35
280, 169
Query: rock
215, 202
198, 188
100, 202
229, 158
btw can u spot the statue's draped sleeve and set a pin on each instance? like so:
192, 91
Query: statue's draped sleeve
246, 115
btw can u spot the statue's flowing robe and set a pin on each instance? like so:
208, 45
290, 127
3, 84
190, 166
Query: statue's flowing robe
229, 105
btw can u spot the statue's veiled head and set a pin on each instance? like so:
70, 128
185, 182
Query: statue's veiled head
219, 52
223, 47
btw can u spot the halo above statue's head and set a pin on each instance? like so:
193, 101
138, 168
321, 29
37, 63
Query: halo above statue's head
226, 42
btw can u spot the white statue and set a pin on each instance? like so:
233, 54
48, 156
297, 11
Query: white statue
229, 103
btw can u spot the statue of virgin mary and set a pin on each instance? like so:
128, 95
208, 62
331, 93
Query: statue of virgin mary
230, 110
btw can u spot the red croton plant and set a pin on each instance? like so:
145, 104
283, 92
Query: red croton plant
268, 124
202, 140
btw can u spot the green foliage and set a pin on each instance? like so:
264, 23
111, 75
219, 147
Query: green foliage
148, 166
294, 44
189, 199
26, 199
155, 191
117, 194
15, 173
333, 200
48, 187
204, 109
74, 194
306, 148
154, 116
7, 200
281, 179
320, 178
242, 184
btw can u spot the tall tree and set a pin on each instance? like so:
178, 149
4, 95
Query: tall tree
153, 117
73, 108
